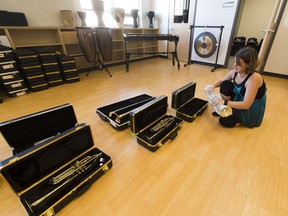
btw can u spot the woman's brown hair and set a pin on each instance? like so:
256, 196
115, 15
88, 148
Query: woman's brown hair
250, 56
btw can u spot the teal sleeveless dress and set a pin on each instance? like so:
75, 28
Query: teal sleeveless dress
254, 115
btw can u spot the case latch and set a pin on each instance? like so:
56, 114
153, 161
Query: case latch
49, 212
105, 168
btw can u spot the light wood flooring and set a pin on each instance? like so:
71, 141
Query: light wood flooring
207, 170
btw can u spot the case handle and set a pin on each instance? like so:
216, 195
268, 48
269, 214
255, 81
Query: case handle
173, 135
82, 189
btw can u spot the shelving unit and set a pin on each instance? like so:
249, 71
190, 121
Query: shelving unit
64, 40
22, 37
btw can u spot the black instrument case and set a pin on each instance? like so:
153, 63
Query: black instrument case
48, 176
29, 130
186, 105
152, 125
117, 114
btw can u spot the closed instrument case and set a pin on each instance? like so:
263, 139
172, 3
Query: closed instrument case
186, 105
152, 125
49, 176
117, 114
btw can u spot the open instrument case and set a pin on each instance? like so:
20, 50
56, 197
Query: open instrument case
27, 131
186, 105
152, 125
117, 114
48, 176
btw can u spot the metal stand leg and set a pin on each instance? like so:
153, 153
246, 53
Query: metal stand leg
218, 48
176, 55
102, 66
99, 61
190, 45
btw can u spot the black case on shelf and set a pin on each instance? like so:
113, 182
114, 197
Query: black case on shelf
29, 130
152, 125
49, 176
186, 105
117, 114
8, 18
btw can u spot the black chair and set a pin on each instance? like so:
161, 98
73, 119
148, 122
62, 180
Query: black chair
237, 44
252, 42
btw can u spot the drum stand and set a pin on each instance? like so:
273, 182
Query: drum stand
100, 63
88, 38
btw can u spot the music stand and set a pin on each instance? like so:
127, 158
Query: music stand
90, 42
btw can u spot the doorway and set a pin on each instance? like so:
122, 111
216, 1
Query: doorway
251, 22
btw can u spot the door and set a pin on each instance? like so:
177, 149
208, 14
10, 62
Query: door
270, 33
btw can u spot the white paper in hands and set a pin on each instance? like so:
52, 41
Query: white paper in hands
222, 110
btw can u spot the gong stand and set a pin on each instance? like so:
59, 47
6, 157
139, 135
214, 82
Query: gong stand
191, 42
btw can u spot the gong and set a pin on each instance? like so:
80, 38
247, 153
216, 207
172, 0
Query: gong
205, 44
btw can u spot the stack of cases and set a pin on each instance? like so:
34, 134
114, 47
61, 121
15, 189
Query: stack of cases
50, 66
31, 69
68, 68
10, 80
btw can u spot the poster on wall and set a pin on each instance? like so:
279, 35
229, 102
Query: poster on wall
206, 40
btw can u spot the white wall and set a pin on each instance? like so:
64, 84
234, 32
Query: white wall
255, 18
277, 60
46, 12
215, 13
182, 30
161, 8
41, 13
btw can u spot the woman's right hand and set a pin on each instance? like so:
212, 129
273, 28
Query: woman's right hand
209, 87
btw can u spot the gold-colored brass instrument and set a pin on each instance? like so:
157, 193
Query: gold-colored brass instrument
76, 169
164, 123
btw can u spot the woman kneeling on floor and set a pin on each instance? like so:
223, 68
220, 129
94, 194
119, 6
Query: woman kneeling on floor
244, 90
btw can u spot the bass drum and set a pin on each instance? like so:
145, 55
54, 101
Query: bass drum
103, 38
87, 43
205, 44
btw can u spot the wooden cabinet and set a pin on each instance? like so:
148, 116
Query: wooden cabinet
64, 40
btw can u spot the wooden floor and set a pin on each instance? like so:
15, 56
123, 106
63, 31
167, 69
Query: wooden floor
207, 170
